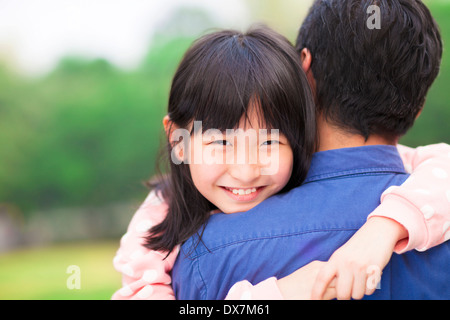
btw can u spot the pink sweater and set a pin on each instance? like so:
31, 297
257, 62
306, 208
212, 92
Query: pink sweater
421, 205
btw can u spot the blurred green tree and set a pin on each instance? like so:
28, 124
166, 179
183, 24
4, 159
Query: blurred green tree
88, 133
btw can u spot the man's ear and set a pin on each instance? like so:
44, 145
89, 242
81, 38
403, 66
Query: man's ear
419, 113
306, 59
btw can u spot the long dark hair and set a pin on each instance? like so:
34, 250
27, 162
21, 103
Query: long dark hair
217, 80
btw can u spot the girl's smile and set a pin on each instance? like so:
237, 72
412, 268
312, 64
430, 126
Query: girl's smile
237, 186
240, 194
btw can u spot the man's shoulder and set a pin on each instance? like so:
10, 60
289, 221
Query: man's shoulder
328, 205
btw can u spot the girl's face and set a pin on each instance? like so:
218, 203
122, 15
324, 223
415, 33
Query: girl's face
239, 170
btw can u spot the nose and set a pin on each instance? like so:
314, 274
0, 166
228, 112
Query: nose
245, 173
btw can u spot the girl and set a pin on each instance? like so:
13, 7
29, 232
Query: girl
231, 83
224, 83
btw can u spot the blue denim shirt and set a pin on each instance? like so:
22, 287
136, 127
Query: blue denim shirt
286, 232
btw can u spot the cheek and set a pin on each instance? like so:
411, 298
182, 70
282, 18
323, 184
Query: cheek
286, 162
205, 168
204, 176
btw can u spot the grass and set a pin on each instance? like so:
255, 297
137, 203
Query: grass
41, 273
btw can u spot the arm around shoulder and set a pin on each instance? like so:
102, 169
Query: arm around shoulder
422, 203
145, 273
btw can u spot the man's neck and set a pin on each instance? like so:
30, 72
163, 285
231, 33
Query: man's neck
331, 137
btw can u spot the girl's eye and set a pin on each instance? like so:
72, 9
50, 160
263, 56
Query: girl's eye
270, 142
221, 143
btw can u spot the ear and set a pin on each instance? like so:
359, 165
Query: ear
419, 113
166, 123
306, 59
177, 153
169, 127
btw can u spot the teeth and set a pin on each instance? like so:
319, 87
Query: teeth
242, 192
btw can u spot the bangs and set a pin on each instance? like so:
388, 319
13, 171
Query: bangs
228, 75
222, 116
231, 87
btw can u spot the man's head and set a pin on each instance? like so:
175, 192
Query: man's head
371, 81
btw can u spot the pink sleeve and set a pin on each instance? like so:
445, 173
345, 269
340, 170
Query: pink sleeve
422, 203
145, 273
265, 290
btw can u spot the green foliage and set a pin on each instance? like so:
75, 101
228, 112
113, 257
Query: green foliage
86, 134
433, 125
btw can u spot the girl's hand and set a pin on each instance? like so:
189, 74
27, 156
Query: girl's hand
354, 270
298, 285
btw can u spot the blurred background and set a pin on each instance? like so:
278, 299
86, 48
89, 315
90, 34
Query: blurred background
83, 89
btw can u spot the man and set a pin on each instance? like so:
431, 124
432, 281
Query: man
370, 86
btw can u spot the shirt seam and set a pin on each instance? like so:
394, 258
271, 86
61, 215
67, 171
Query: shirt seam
355, 172
237, 242
203, 287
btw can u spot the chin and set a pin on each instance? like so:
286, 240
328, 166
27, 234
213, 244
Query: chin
237, 209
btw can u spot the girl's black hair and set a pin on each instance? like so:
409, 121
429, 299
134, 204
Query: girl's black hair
218, 79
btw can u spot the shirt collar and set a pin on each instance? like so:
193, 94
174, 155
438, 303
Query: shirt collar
358, 160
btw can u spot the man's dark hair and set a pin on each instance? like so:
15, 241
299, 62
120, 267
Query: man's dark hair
372, 81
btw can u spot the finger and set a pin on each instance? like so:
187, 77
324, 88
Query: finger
359, 285
369, 291
330, 293
332, 284
373, 279
324, 278
370, 288
344, 285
